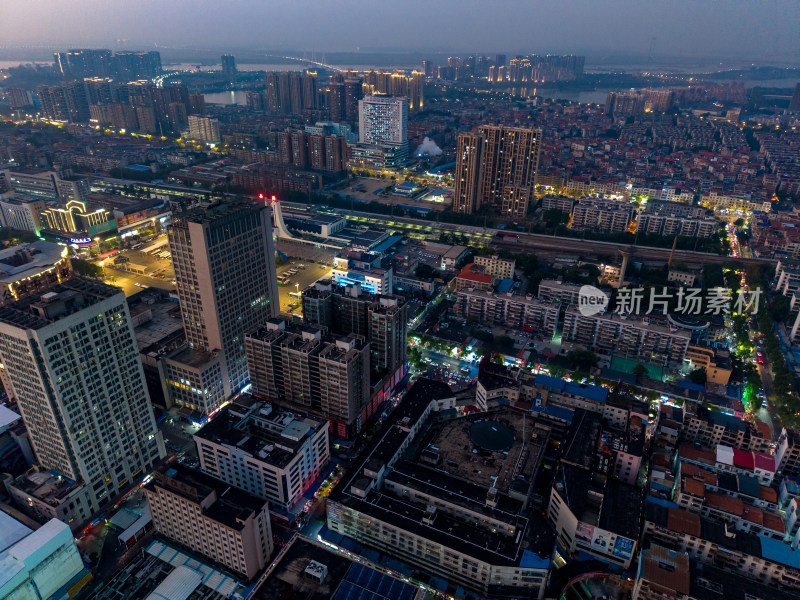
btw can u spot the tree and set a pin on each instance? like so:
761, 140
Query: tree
739, 222
554, 216
640, 371
582, 359
698, 375
504, 341
86, 269
779, 308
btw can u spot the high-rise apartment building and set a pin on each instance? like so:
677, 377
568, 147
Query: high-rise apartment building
205, 129
71, 360
303, 368
67, 102
229, 526
496, 167
228, 65
381, 319
224, 263
469, 167
291, 92
79, 63
383, 120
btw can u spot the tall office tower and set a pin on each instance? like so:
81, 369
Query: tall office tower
353, 93
71, 359
499, 60
428, 68
454, 62
794, 104
502, 157
205, 129
303, 368
469, 153
310, 91
224, 263
271, 93
383, 120
228, 65
416, 91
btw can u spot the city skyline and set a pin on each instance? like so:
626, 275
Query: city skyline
759, 32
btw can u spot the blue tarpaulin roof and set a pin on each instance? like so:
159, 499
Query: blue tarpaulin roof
505, 286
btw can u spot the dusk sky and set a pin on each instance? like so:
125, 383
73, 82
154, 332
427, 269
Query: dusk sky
758, 30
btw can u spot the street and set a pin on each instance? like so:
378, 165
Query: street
768, 412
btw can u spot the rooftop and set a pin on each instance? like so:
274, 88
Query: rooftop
56, 302
231, 506
25, 260
343, 578
665, 568
264, 431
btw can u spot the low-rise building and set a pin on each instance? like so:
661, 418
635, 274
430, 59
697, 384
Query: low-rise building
210, 517
442, 520
595, 214
705, 541
267, 451
41, 562
508, 310
499, 268
611, 334
471, 277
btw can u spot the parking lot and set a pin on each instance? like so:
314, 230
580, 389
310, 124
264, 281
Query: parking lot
134, 270
300, 280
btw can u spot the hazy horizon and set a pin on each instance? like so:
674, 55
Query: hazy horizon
764, 33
